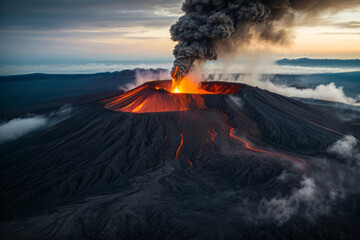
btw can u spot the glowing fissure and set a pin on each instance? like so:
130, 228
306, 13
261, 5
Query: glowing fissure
213, 134
201, 148
190, 163
247, 146
179, 147
318, 125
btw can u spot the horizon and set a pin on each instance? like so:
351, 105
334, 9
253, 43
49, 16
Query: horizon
302, 65
133, 30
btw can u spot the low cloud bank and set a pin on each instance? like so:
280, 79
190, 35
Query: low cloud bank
329, 92
86, 68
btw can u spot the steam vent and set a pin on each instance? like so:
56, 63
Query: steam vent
157, 96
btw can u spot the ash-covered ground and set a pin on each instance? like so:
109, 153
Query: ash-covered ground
252, 165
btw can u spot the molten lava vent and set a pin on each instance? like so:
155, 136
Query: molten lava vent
157, 96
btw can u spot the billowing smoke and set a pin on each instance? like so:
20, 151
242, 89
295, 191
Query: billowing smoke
213, 27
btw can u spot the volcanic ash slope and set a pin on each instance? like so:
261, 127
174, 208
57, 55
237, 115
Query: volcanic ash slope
249, 165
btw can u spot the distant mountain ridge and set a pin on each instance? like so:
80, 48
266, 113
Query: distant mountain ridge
308, 62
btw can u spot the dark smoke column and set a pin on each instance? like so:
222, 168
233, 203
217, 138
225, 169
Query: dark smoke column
210, 26
197, 32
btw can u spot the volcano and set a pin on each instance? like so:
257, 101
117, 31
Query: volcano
232, 161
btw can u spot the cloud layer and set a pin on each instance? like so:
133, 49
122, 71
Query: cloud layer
64, 14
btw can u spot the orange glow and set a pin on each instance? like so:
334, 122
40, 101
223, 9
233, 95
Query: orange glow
181, 143
153, 97
213, 134
139, 107
247, 146
221, 87
157, 96
190, 163
188, 85
318, 125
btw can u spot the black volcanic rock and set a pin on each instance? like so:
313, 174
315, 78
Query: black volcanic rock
101, 174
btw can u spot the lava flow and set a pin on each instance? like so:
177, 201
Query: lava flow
181, 143
247, 146
163, 96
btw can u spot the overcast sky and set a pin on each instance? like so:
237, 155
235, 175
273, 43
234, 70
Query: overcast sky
42, 30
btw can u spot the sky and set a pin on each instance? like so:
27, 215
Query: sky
94, 30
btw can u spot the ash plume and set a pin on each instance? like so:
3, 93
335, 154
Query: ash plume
211, 27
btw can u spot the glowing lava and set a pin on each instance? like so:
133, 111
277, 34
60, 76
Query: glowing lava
159, 96
318, 125
247, 146
188, 85
181, 143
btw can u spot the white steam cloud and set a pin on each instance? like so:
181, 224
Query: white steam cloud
145, 76
18, 127
346, 149
281, 209
329, 92
307, 200
238, 101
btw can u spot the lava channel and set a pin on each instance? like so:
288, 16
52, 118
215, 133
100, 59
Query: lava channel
247, 146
